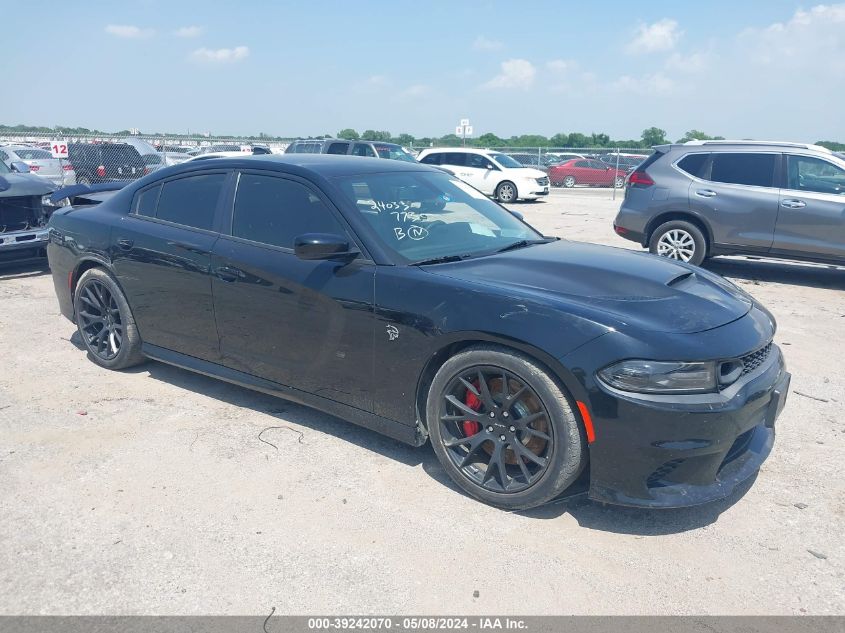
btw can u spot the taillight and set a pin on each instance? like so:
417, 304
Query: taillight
67, 167
640, 178
146, 170
101, 171
34, 167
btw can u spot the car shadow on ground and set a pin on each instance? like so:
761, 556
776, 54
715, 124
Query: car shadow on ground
777, 271
23, 270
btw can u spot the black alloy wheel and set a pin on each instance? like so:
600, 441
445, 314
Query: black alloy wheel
105, 322
496, 429
503, 428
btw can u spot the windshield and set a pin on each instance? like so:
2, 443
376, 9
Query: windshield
3, 168
33, 154
419, 216
505, 161
394, 153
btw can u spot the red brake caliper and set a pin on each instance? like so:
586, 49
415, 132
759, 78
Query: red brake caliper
474, 403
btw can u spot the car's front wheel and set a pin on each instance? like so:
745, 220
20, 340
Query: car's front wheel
506, 192
569, 182
618, 182
679, 240
105, 322
503, 429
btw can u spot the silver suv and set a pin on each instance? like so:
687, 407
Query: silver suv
706, 198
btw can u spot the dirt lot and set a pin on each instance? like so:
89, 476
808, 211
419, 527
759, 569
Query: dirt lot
149, 491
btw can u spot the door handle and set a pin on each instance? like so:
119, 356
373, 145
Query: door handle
705, 193
125, 243
793, 204
228, 274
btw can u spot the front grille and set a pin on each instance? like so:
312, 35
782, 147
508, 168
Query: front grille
544, 181
738, 447
19, 213
752, 361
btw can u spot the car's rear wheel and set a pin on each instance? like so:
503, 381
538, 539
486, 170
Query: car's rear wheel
105, 321
506, 192
569, 182
618, 182
679, 240
503, 429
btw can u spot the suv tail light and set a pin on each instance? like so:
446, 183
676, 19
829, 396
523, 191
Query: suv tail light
101, 171
640, 178
67, 167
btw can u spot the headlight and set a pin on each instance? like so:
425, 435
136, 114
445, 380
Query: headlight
49, 204
649, 376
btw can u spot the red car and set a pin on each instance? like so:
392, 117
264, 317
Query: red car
585, 171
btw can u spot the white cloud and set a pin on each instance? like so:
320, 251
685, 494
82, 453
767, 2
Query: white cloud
516, 73
663, 35
188, 31
415, 91
561, 65
220, 55
481, 43
688, 64
651, 84
128, 31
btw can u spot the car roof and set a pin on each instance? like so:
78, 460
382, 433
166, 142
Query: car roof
465, 150
752, 144
326, 165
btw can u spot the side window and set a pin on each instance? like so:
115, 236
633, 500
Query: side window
275, 211
191, 201
476, 160
363, 149
3, 155
744, 169
146, 201
693, 164
805, 173
431, 159
453, 158
338, 148
581, 163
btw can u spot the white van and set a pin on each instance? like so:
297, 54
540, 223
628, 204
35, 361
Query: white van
491, 172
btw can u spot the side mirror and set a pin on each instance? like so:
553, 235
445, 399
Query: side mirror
19, 167
517, 215
312, 246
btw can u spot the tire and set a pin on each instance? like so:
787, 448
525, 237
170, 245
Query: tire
679, 240
618, 182
569, 182
506, 192
485, 463
98, 294
83, 180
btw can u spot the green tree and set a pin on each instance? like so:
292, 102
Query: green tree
576, 139
450, 140
559, 140
405, 140
832, 145
373, 135
654, 136
489, 140
600, 140
349, 134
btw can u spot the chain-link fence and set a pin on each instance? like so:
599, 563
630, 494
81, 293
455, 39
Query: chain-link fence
92, 158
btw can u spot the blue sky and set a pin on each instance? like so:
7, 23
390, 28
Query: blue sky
763, 69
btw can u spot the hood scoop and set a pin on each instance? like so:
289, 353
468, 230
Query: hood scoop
679, 281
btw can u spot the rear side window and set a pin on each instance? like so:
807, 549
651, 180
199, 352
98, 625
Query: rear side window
744, 169
453, 158
191, 201
338, 148
431, 159
275, 211
693, 164
146, 201
363, 149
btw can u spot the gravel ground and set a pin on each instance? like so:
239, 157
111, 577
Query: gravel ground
149, 491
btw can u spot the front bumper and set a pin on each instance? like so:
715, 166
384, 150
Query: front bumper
661, 451
23, 245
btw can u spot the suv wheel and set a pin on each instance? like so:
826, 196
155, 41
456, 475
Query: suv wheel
679, 240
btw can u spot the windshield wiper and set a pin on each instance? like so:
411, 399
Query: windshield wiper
521, 244
440, 260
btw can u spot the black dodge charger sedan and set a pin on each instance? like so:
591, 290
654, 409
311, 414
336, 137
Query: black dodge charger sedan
397, 297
